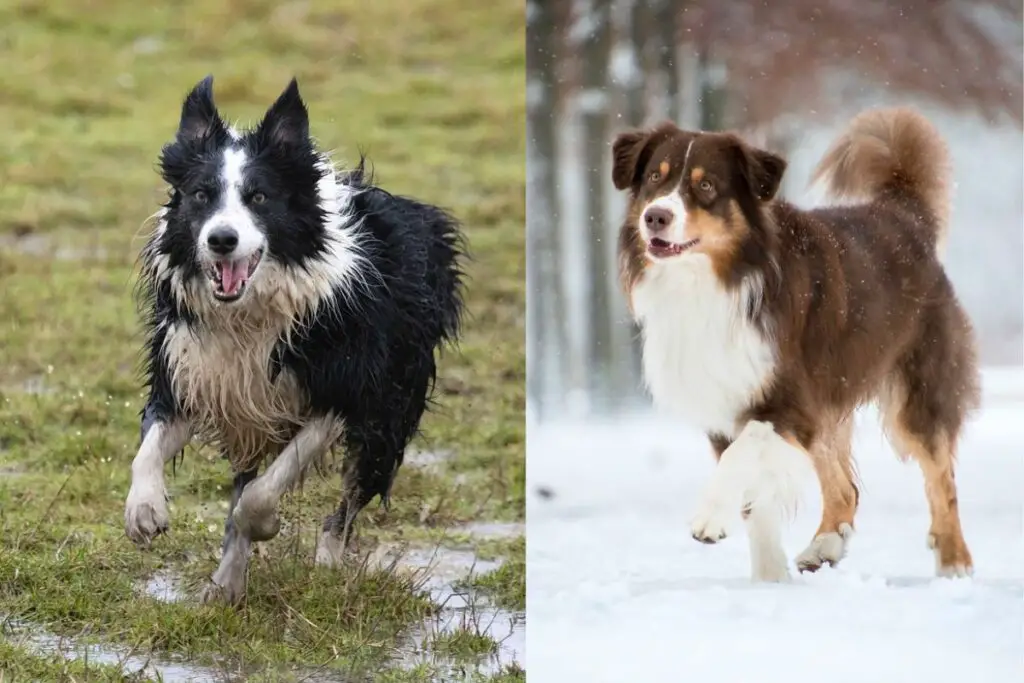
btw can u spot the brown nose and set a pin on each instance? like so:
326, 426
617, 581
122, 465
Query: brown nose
657, 218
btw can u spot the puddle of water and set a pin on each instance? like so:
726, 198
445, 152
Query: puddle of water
493, 529
460, 610
442, 568
164, 586
507, 629
31, 637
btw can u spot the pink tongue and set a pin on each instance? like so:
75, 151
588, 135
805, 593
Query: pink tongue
233, 275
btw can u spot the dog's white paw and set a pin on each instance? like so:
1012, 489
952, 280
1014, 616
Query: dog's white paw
828, 548
711, 523
767, 556
769, 566
145, 513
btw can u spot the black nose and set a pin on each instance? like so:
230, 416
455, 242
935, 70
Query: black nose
222, 240
657, 218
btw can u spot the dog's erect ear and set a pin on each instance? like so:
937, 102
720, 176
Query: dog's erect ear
762, 170
199, 117
287, 120
626, 151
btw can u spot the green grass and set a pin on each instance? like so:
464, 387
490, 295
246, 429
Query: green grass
432, 91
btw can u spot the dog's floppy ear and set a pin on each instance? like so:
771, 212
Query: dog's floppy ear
762, 170
199, 116
626, 152
287, 120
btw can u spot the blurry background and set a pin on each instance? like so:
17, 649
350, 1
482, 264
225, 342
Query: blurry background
788, 74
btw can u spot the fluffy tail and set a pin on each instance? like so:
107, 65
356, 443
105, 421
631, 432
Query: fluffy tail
891, 152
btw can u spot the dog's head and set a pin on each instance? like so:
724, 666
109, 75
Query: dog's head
692, 194
243, 203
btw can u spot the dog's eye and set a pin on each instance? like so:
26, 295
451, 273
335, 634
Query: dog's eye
655, 177
706, 186
201, 196
258, 198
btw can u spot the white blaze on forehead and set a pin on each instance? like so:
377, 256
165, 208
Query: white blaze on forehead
231, 209
673, 202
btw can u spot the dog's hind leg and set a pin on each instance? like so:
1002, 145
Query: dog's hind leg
255, 518
832, 456
374, 455
145, 509
923, 408
370, 468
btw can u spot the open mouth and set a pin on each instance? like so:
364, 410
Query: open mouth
659, 248
231, 277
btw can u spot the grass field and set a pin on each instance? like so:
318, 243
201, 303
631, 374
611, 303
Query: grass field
432, 91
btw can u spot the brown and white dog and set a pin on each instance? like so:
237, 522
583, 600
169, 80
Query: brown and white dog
766, 325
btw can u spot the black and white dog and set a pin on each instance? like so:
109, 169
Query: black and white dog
289, 307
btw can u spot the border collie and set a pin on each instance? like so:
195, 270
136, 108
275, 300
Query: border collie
289, 307
766, 325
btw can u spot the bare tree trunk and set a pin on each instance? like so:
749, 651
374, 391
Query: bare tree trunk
713, 96
665, 24
626, 350
595, 44
545, 306
636, 106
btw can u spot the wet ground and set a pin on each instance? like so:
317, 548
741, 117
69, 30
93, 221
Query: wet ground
443, 570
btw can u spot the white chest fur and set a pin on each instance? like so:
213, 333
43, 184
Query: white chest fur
702, 358
223, 379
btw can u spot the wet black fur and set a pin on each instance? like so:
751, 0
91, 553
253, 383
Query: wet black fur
369, 357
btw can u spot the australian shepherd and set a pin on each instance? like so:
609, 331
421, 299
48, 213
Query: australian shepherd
766, 325
290, 307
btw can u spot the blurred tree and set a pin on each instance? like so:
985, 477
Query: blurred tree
545, 300
594, 34
667, 40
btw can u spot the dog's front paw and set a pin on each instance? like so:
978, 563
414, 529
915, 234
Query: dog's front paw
711, 523
145, 513
230, 593
227, 585
827, 548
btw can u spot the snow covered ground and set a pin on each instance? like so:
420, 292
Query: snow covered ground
618, 591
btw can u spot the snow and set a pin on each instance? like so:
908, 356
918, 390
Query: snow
618, 591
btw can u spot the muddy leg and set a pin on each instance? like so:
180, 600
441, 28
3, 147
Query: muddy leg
145, 510
374, 456
255, 518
